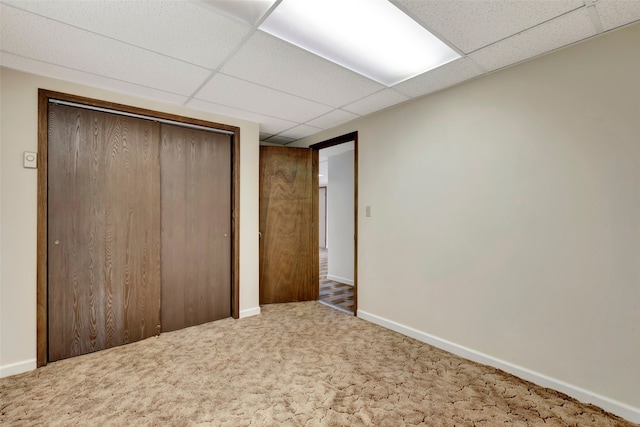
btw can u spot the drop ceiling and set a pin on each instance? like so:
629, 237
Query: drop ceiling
196, 54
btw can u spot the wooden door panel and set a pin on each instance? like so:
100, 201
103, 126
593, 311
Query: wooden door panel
288, 242
196, 227
104, 231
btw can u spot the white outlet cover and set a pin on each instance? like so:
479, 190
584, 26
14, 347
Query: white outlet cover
30, 159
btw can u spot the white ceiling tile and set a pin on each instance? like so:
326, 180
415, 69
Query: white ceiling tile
273, 126
248, 96
448, 75
204, 37
271, 62
560, 32
268, 124
300, 132
614, 13
470, 25
27, 35
378, 101
332, 119
280, 140
249, 12
264, 136
80, 77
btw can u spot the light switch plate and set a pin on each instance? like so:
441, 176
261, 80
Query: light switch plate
367, 210
30, 160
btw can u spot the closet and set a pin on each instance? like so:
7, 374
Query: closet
196, 225
138, 228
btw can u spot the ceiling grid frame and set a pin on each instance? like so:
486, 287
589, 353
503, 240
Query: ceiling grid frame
312, 93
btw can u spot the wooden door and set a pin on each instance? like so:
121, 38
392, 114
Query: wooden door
196, 226
103, 231
288, 217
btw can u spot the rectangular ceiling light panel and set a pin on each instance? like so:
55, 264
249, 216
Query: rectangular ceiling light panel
371, 37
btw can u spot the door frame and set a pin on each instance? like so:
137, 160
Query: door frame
44, 96
353, 136
325, 215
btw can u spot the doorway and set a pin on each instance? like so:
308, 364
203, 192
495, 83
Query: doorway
338, 256
322, 212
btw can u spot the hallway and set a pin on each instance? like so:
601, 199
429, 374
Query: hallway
334, 294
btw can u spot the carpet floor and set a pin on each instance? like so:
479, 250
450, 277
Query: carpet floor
301, 364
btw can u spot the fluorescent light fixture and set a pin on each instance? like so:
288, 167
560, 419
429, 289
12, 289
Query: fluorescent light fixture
371, 37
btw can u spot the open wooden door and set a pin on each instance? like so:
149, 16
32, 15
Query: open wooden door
288, 224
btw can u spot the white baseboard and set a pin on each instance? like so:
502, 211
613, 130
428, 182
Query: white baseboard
250, 312
340, 279
17, 368
623, 410
336, 307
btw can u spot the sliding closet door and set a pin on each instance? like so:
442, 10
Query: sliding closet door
196, 226
103, 230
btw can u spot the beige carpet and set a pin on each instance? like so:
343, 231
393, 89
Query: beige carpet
299, 364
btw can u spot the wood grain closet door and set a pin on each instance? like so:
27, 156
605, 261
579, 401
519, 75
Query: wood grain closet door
103, 231
196, 226
289, 240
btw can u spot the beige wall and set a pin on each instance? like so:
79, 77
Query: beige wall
340, 224
506, 218
18, 207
